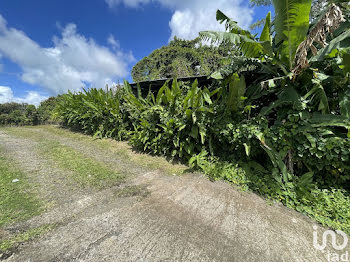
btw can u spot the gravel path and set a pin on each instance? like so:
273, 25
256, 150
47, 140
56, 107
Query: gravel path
181, 218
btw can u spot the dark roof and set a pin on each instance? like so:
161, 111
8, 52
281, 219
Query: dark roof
156, 84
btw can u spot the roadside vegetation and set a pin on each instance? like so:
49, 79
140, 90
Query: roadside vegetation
23, 114
31, 234
274, 121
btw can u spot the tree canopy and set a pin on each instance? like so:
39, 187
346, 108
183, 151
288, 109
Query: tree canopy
25, 114
182, 58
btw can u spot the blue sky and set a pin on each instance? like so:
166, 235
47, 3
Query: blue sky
50, 47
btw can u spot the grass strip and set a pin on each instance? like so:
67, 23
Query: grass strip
26, 236
17, 202
85, 170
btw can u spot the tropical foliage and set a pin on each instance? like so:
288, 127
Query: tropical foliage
275, 120
310, 88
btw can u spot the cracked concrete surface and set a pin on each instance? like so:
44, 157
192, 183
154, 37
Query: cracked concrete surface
183, 218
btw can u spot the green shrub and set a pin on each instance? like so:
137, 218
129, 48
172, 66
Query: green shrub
18, 114
46, 110
96, 112
175, 123
281, 150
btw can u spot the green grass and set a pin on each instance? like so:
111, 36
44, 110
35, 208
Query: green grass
124, 150
120, 149
84, 170
17, 202
28, 235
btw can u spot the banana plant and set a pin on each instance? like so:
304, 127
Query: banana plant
287, 40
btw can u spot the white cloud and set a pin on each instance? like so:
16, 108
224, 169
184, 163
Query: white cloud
113, 42
72, 63
6, 94
33, 98
191, 17
129, 3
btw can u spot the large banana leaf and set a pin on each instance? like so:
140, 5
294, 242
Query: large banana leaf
265, 37
319, 120
287, 96
291, 26
231, 25
219, 37
235, 36
318, 95
236, 91
266, 34
249, 47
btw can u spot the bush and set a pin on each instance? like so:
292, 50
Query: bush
175, 123
46, 109
18, 114
24, 114
96, 112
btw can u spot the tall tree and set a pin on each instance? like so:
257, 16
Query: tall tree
182, 58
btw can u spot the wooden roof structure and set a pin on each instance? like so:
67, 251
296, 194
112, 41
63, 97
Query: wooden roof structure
157, 84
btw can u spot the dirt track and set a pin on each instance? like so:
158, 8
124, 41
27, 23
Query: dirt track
169, 218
